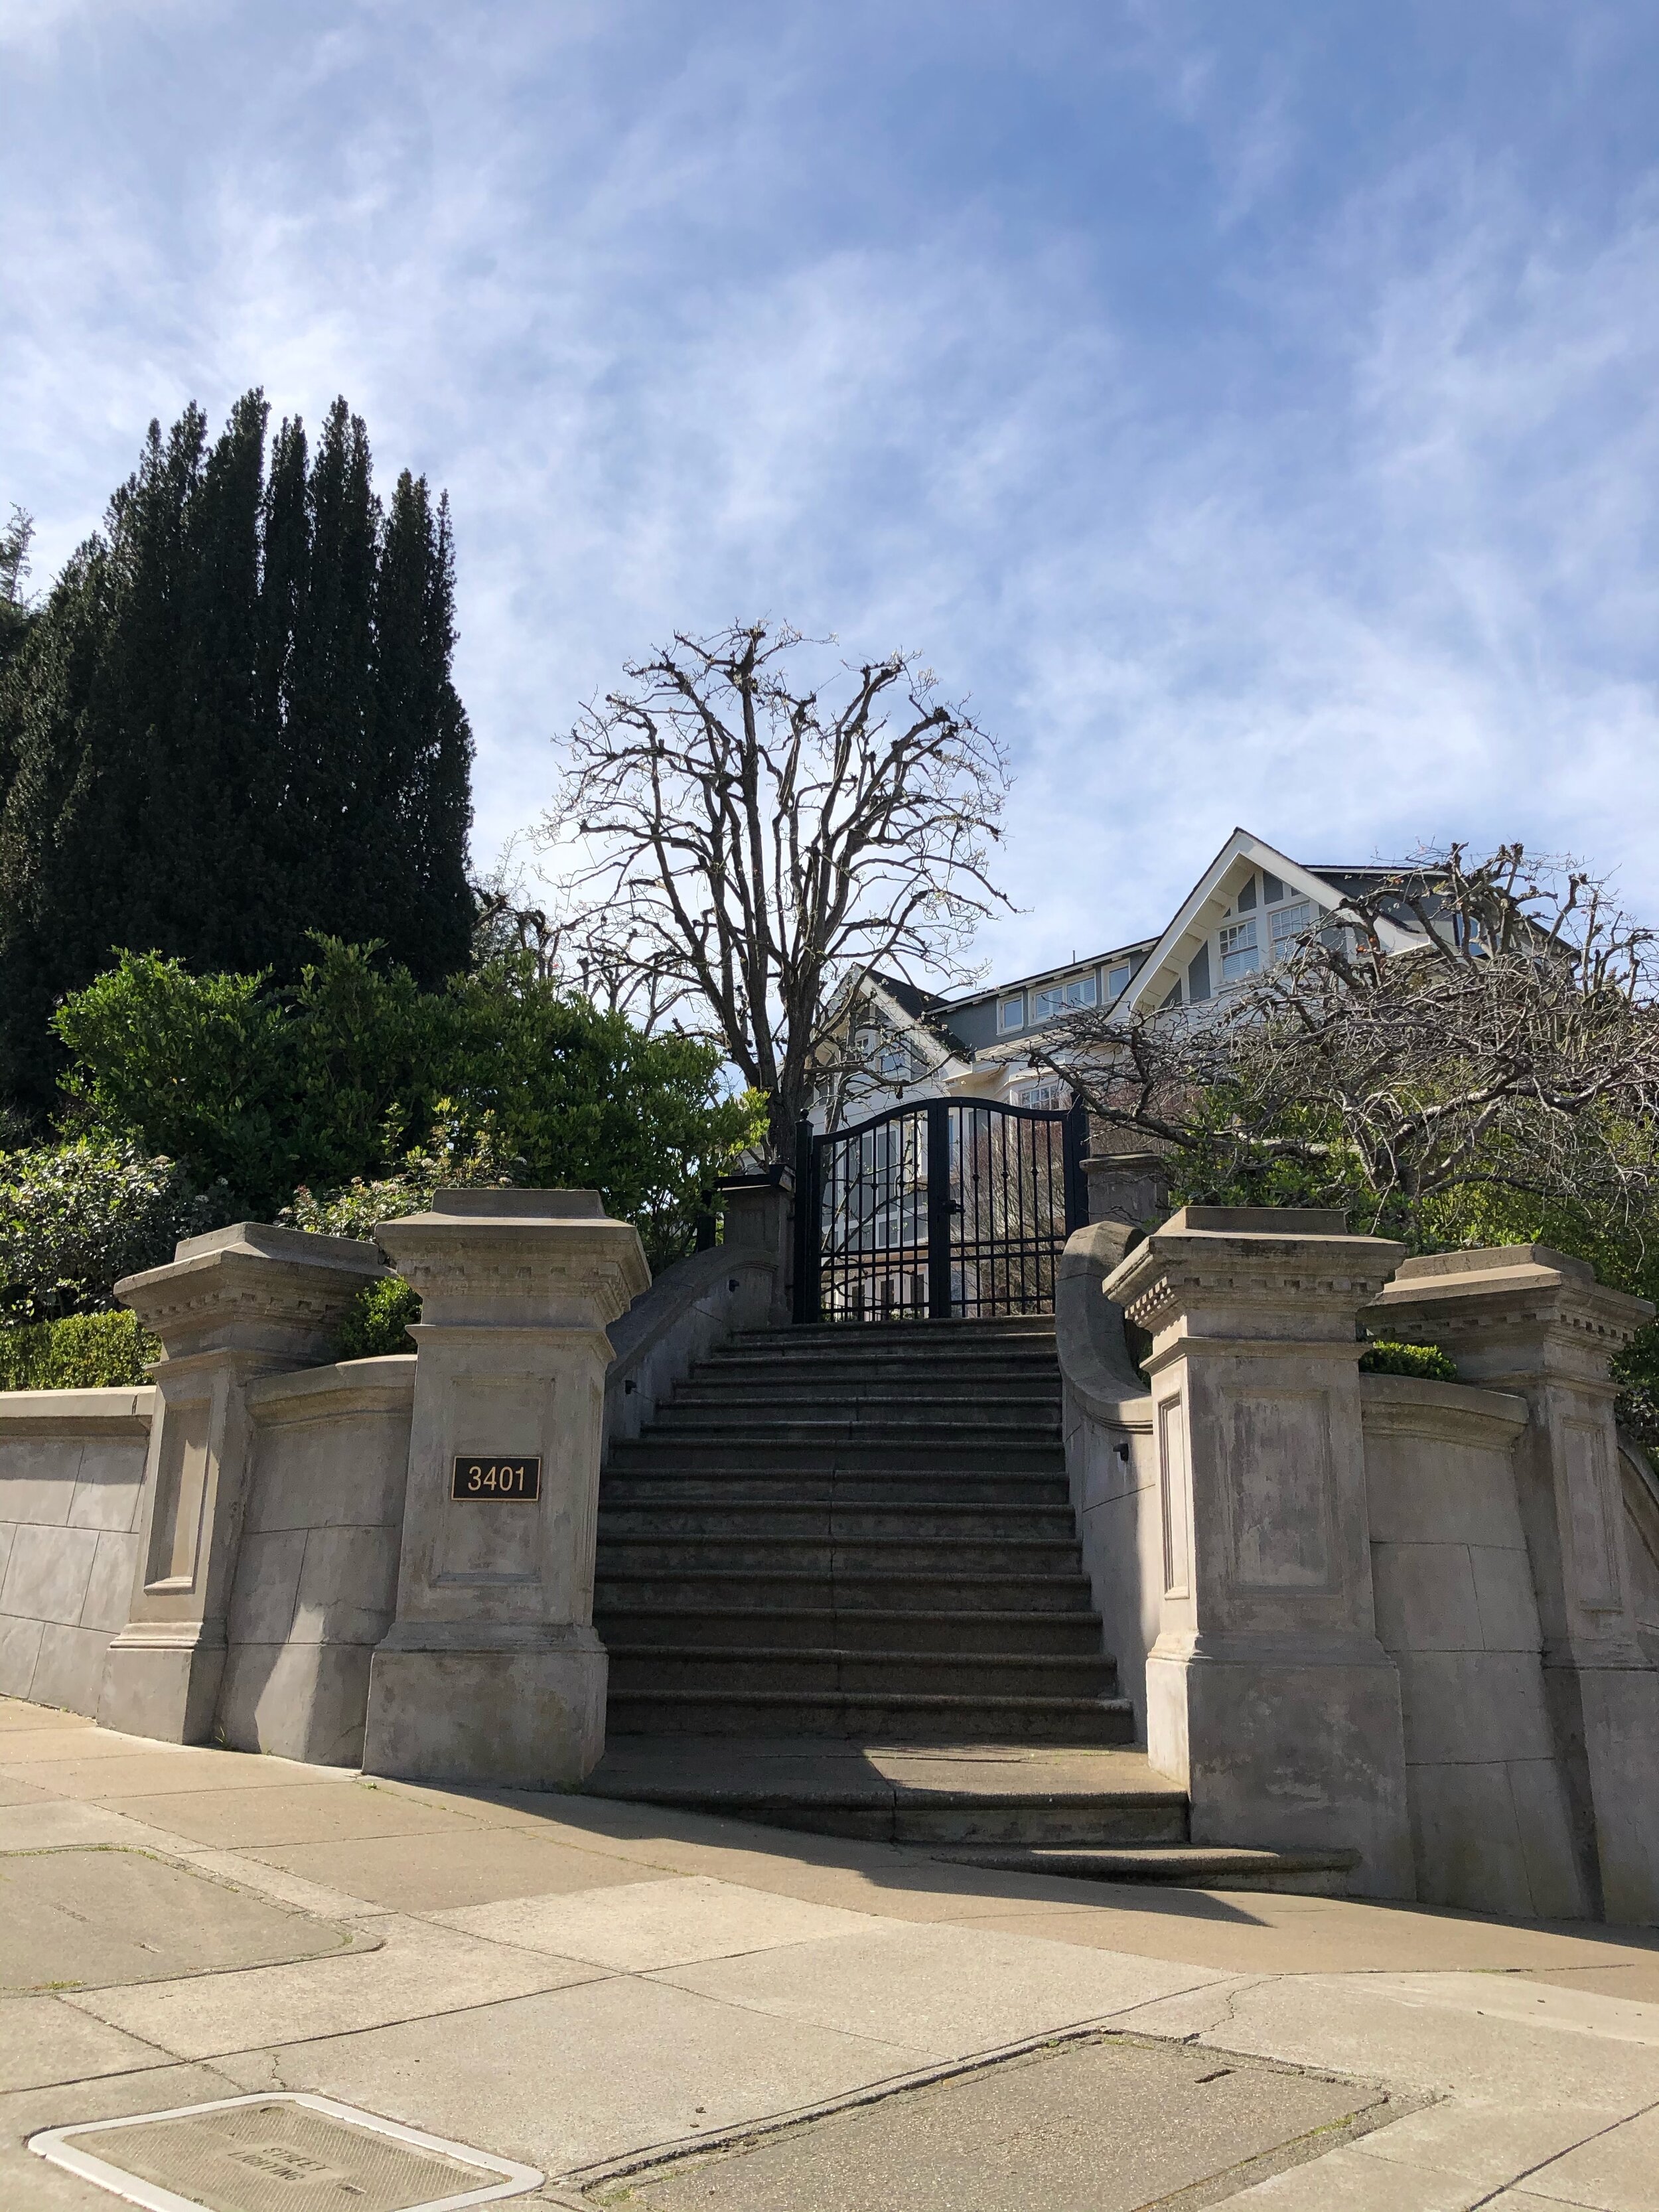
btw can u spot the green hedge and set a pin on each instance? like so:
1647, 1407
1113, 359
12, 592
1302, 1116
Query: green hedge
377, 1321
82, 1352
1426, 1360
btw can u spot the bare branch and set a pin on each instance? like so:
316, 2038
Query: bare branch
749, 850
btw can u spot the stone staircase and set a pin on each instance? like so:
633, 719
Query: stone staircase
837, 1551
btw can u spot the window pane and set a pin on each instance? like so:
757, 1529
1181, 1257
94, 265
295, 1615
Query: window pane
1080, 991
1239, 955
1117, 981
1046, 1004
1011, 1012
1291, 921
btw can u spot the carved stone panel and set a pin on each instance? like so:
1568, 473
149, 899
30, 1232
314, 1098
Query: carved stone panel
1277, 1476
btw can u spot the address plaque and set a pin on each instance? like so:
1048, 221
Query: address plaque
480, 1475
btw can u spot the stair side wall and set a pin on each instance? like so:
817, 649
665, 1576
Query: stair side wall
1491, 1814
1111, 1458
71, 1479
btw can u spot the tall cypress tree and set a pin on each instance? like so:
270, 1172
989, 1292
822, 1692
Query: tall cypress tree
422, 799
233, 724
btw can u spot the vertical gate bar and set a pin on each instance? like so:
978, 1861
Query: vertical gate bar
1077, 1182
808, 1229
938, 1209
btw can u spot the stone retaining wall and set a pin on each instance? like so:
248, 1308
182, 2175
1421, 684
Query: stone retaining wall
71, 1477
316, 1582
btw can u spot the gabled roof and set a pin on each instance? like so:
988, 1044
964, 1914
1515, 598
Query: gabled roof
911, 1008
1167, 963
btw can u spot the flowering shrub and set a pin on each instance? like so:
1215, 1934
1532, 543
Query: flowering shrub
75, 1217
456, 1156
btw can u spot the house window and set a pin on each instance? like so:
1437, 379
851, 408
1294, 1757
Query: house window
1117, 981
1011, 1013
896, 1063
1048, 1096
1287, 924
1239, 953
1058, 998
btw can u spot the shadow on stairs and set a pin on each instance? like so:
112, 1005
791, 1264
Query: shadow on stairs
840, 1581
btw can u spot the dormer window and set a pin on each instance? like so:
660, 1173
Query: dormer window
1117, 981
1288, 923
1011, 1013
1240, 955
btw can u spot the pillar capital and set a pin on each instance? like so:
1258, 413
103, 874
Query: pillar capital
275, 1294
1513, 1315
1237, 1273
530, 1259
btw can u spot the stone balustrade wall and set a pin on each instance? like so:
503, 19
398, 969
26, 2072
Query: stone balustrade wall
300, 1516
71, 1476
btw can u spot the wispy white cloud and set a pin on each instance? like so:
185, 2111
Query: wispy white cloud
1240, 474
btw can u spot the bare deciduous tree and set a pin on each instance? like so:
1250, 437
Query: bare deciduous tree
1513, 1040
749, 851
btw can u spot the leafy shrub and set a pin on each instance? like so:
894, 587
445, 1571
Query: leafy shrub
1636, 1370
330, 1082
377, 1321
82, 1352
76, 1218
1426, 1360
453, 1157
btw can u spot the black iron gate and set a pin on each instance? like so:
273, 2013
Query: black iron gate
944, 1208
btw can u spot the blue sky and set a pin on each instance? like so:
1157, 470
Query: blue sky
1254, 406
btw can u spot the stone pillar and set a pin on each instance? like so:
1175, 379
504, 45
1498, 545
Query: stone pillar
491, 1671
760, 1218
1131, 1187
1524, 1318
243, 1302
1268, 1691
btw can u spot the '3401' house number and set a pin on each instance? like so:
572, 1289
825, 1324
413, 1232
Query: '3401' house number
511, 1481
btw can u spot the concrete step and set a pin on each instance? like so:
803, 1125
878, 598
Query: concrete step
827, 1364
646, 1669
796, 1628
940, 1335
631, 1491
989, 1793
784, 1385
659, 1453
903, 1416
917, 1716
838, 1555
1183, 1865
744, 1521
722, 1588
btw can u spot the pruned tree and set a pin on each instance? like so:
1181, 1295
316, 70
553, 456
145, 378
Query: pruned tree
746, 851
1457, 1025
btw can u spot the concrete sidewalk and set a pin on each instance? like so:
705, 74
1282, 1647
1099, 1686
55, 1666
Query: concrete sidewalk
583, 1985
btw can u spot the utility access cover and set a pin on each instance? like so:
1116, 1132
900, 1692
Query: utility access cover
1094, 2124
84, 1917
280, 2153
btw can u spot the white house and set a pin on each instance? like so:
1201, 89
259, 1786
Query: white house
1249, 905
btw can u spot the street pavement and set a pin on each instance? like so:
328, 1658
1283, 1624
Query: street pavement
666, 2009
